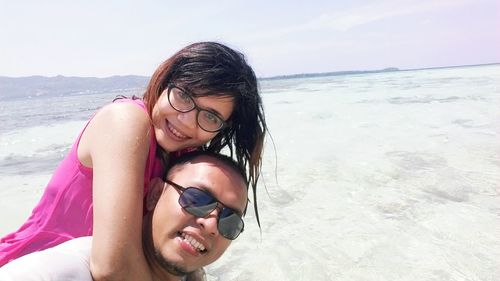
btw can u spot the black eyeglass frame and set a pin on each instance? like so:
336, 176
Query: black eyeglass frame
182, 189
171, 86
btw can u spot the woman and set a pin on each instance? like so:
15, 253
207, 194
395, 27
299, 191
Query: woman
203, 97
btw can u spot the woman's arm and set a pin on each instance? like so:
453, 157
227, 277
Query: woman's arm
115, 144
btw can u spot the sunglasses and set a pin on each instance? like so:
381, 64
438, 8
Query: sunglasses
200, 204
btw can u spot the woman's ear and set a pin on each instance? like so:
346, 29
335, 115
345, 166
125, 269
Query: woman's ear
155, 190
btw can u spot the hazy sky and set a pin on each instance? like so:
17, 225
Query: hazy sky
104, 38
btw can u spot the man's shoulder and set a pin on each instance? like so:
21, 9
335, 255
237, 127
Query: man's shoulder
78, 247
67, 261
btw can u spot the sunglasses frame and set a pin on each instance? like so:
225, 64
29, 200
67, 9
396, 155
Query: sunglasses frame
182, 189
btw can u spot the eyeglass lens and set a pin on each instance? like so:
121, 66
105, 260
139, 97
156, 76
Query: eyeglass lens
183, 102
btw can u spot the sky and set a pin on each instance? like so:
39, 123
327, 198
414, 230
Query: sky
96, 38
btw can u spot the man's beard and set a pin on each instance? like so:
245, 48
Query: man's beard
169, 266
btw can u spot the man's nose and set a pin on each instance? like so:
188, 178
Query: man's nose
209, 223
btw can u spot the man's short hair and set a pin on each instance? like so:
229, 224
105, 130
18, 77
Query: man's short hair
228, 161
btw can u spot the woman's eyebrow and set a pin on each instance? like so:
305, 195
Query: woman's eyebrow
212, 110
209, 109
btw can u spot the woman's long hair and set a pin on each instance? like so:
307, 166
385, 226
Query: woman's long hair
212, 69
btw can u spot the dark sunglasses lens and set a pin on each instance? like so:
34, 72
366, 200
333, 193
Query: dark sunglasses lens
197, 202
230, 224
200, 203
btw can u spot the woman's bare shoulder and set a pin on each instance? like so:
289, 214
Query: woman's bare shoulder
124, 111
126, 125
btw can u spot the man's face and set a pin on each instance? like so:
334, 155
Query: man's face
183, 240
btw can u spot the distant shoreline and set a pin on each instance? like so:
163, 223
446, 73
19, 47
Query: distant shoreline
42, 86
354, 72
286, 76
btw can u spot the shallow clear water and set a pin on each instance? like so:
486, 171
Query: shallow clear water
392, 176
388, 176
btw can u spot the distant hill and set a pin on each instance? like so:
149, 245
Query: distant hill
12, 88
335, 73
389, 69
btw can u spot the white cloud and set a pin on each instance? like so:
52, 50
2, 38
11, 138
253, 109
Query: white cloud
359, 15
362, 15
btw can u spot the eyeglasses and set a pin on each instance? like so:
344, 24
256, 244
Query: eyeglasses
200, 204
183, 102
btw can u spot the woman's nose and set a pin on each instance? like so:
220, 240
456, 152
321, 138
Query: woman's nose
188, 119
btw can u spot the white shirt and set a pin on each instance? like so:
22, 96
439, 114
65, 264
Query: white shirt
68, 261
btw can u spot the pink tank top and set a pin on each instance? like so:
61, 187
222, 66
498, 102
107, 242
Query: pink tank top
65, 209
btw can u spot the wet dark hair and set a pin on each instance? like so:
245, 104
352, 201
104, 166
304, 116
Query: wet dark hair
213, 69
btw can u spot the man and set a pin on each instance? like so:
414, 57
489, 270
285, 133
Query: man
191, 220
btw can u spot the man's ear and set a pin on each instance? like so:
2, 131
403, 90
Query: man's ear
155, 190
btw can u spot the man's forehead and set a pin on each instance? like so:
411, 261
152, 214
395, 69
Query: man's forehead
204, 163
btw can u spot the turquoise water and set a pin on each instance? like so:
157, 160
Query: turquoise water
381, 176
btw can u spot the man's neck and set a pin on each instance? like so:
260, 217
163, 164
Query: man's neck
160, 274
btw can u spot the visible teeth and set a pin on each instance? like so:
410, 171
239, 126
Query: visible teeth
197, 245
175, 132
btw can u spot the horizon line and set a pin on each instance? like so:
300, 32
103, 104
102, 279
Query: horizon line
352, 72
281, 76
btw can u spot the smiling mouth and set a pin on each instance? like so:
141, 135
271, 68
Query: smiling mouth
176, 133
193, 242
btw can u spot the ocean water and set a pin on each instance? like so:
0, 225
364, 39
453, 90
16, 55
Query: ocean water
381, 176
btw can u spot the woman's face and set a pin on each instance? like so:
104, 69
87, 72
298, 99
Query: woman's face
176, 130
